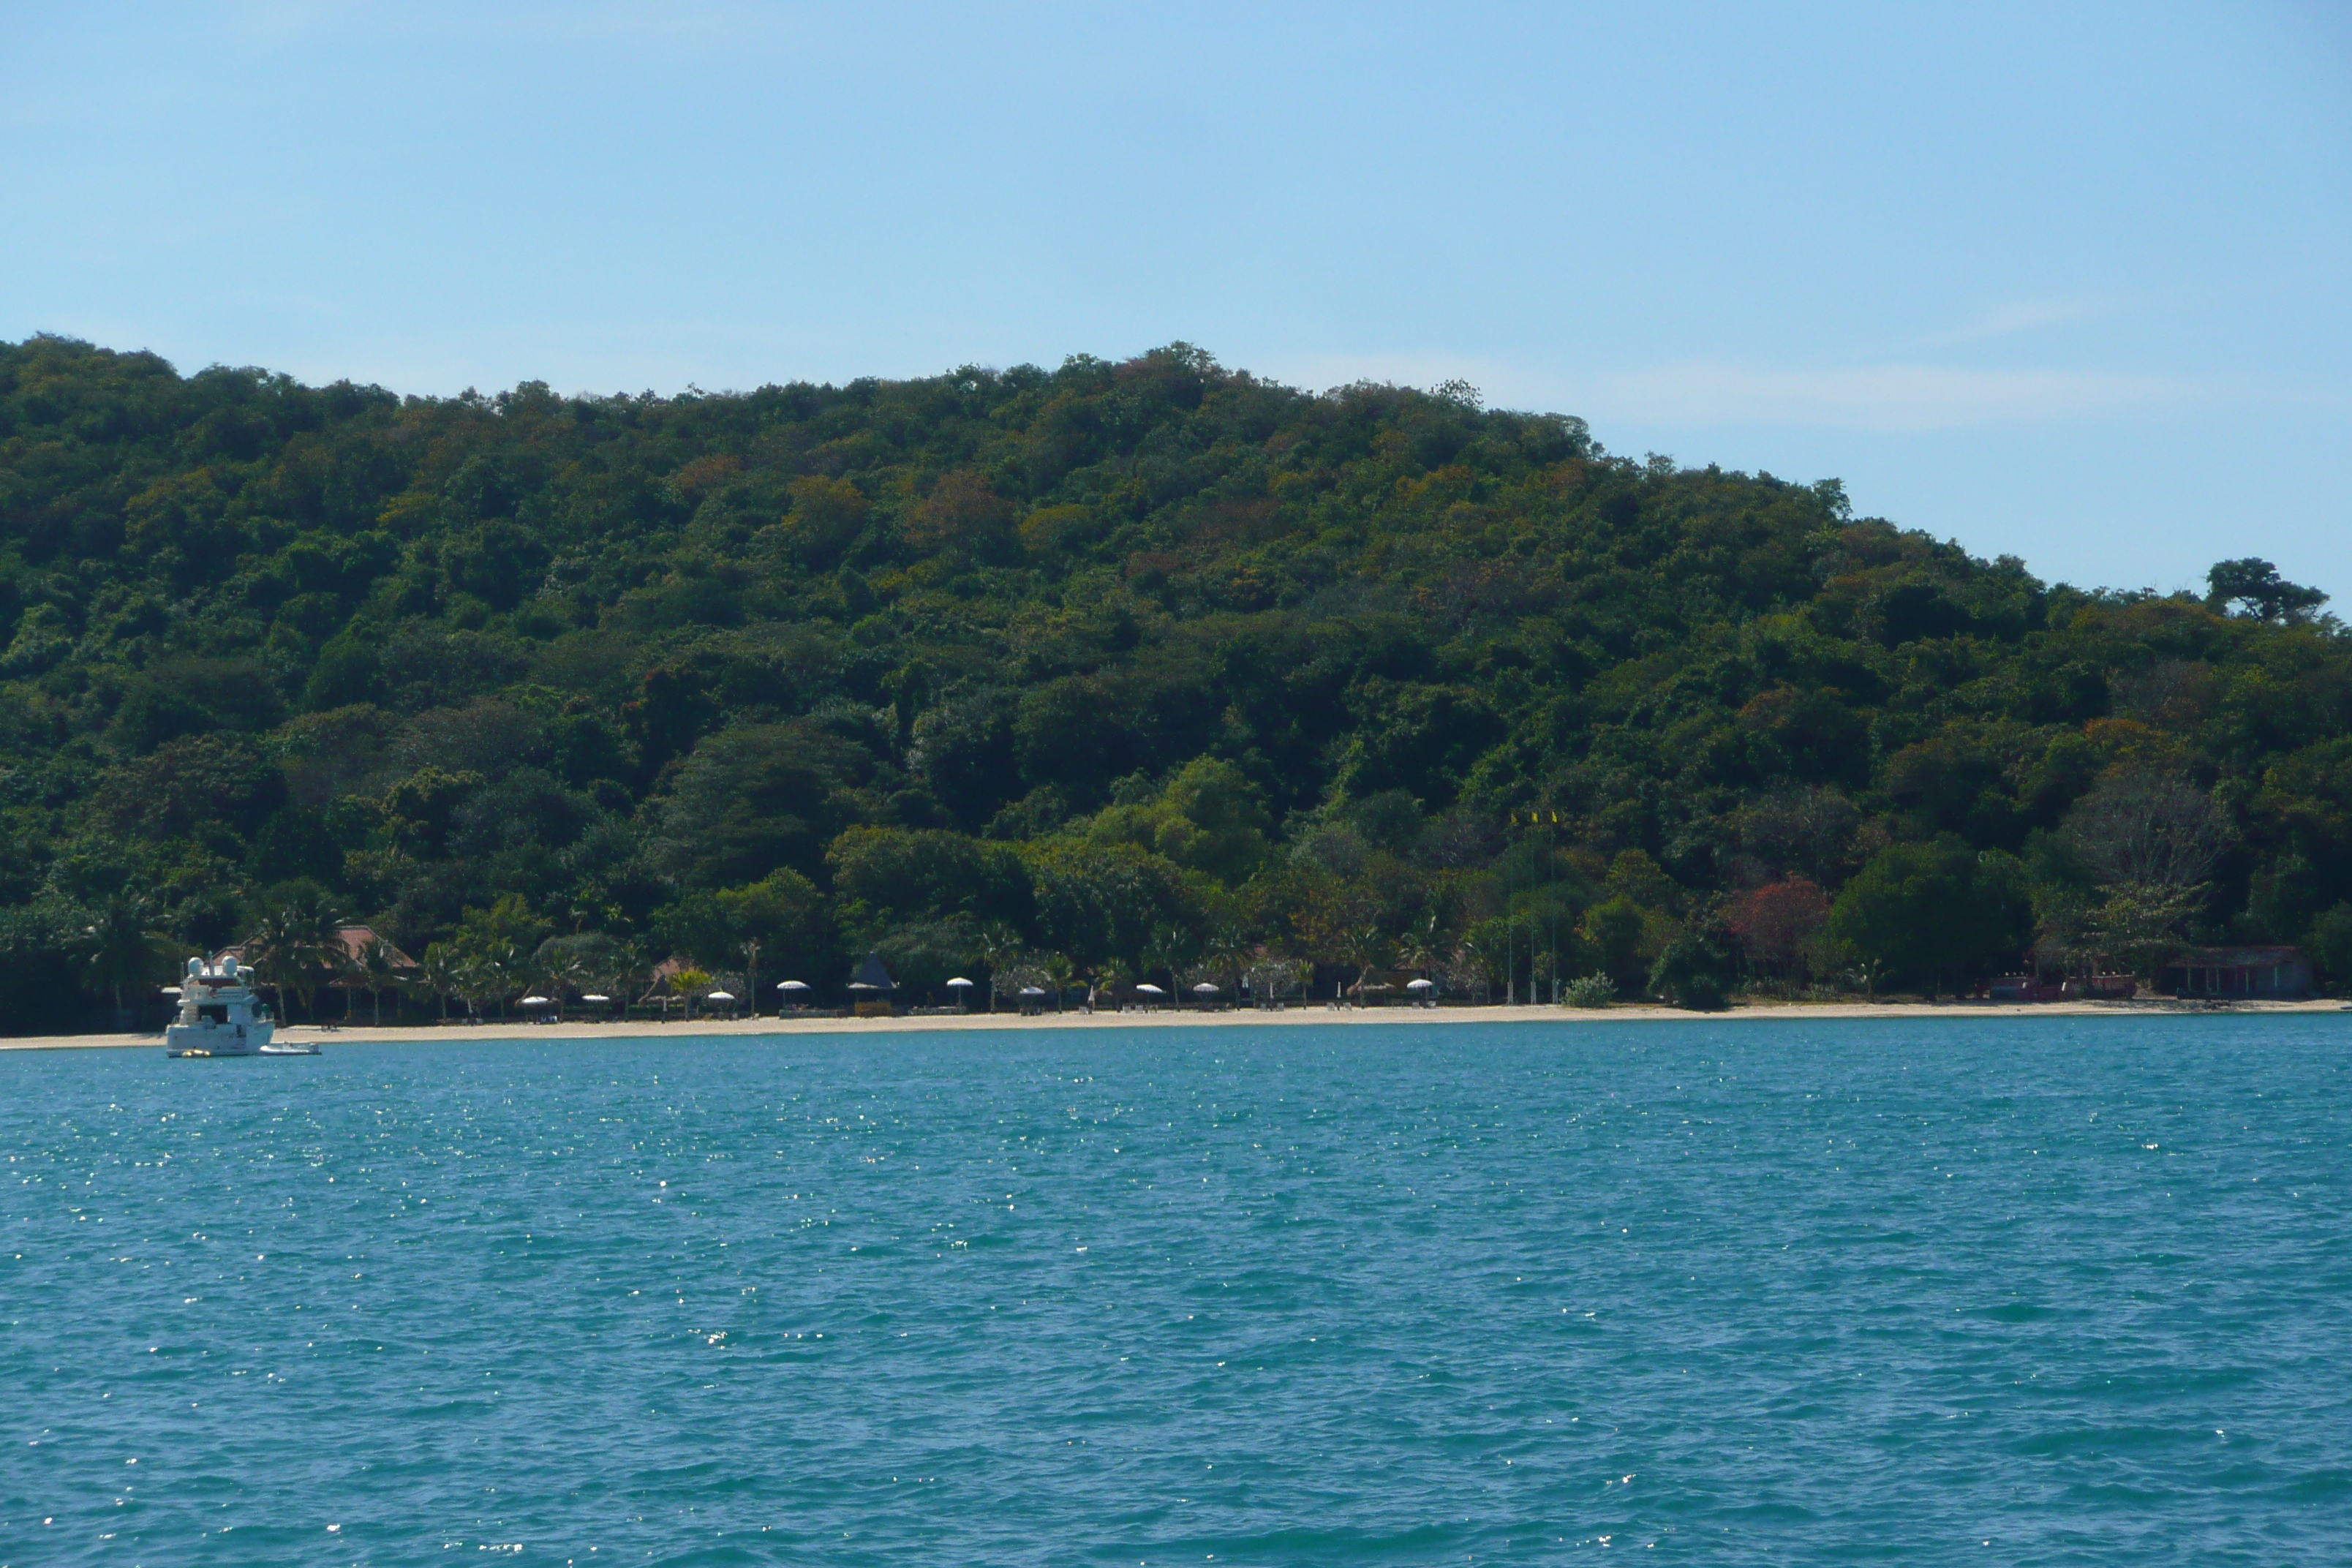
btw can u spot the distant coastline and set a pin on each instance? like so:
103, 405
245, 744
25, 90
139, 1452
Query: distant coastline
1175, 1018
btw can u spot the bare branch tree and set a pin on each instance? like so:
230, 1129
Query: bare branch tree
2148, 829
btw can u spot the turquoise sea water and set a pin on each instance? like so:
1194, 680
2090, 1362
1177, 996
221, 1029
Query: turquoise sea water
2040, 1291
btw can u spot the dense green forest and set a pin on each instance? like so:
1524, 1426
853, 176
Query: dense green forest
1149, 669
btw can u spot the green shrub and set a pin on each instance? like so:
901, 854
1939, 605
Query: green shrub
1589, 990
1700, 993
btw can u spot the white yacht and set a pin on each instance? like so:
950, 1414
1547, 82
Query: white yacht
220, 1015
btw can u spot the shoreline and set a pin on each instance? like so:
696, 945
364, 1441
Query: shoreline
362, 1034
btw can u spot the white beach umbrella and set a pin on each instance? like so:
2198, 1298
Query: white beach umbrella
1032, 991
1421, 984
1147, 989
1206, 988
721, 995
534, 1001
959, 981
792, 985
595, 996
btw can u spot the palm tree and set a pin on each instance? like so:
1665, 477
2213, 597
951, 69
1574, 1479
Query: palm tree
268, 952
687, 982
501, 966
482, 975
1228, 954
1272, 978
1424, 949
1168, 950
119, 949
557, 970
1366, 948
1000, 949
443, 969
629, 968
1060, 972
375, 966
295, 944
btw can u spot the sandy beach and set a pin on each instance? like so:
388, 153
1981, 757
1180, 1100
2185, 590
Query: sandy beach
1403, 1016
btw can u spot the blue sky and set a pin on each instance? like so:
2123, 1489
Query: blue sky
2067, 281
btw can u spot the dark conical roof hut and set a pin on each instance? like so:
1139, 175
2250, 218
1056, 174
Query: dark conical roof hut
872, 976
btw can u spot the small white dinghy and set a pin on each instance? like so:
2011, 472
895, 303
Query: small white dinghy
220, 1017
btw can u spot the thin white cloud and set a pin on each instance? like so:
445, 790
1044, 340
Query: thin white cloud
2008, 318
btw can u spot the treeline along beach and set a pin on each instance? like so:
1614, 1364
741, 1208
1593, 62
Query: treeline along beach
1148, 670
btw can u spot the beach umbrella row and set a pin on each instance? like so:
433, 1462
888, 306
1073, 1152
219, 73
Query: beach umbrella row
795, 987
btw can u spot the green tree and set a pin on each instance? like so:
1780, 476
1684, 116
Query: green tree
1934, 912
376, 966
1001, 949
120, 949
443, 969
750, 799
2256, 584
1618, 933
886, 875
1060, 974
1209, 818
2331, 944
1102, 904
1694, 971
297, 944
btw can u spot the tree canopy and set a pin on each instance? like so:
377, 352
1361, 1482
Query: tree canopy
1121, 664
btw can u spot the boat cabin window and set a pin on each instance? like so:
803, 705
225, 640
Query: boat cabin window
213, 1014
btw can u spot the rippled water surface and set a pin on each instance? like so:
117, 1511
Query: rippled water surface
2049, 1290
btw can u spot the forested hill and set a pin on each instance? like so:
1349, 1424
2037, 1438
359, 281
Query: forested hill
1113, 669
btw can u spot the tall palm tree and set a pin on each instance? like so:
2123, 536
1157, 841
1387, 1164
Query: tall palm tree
1167, 950
1000, 949
268, 948
443, 970
375, 966
1424, 947
1061, 973
557, 970
501, 966
482, 976
1367, 948
321, 955
630, 975
296, 945
1227, 953
119, 949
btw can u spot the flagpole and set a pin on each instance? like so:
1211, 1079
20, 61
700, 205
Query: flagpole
1510, 915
